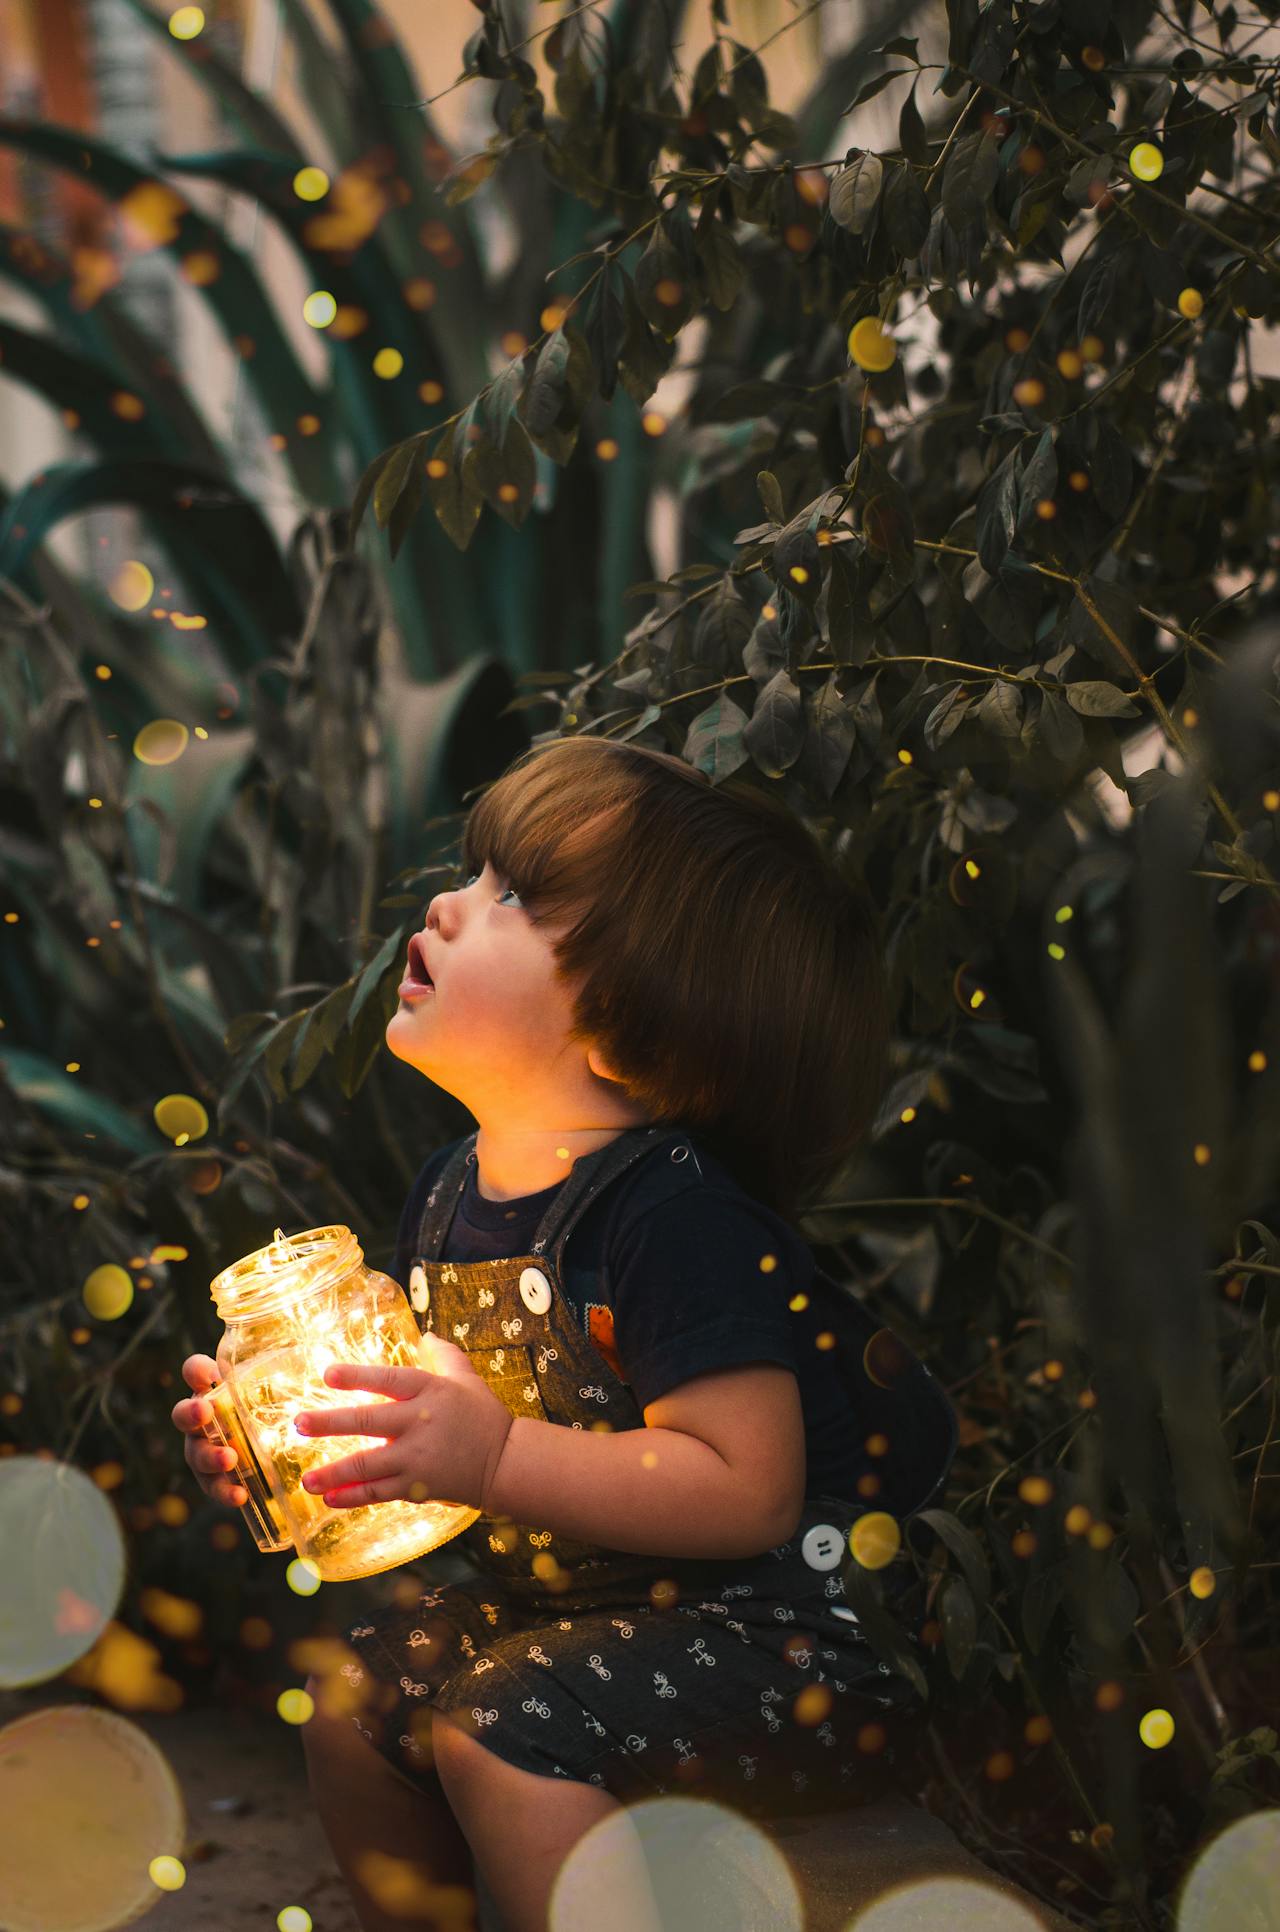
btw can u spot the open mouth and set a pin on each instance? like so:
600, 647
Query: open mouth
416, 973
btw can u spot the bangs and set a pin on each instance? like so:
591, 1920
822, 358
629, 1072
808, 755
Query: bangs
557, 823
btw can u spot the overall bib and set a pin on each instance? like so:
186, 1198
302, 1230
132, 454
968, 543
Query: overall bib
746, 1679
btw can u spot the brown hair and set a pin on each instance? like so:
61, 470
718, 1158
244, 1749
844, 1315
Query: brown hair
728, 970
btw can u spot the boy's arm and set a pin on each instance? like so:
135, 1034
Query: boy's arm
717, 1471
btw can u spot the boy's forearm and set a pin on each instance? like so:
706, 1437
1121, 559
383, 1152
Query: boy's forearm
657, 1492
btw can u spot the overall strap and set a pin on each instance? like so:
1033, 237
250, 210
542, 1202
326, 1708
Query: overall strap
589, 1175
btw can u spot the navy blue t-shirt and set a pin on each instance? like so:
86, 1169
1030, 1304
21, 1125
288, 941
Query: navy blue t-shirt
668, 1289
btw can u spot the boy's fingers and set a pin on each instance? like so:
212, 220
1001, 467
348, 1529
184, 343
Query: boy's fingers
200, 1372
190, 1415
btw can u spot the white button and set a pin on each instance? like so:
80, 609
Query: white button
419, 1293
535, 1291
822, 1547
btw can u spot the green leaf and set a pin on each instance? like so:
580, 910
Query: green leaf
645, 356
945, 718
829, 737
604, 327
722, 266
1039, 479
1001, 709
1098, 294
996, 513
911, 135
324, 1023
885, 1636
548, 386
454, 496
1095, 698
774, 736
968, 179
663, 286
871, 88
714, 741
770, 495
964, 1546
855, 191
959, 1618
906, 212
406, 506
394, 477
1061, 732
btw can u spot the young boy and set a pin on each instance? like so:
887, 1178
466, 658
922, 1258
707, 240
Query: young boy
664, 1006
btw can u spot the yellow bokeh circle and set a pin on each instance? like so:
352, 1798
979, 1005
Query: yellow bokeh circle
170, 1874
302, 1577
293, 1918
1190, 303
388, 363
875, 1539
107, 1292
870, 347
90, 1805
295, 1706
310, 184
186, 22
161, 742
1202, 1582
180, 1118
1146, 161
132, 586
319, 309
1155, 1728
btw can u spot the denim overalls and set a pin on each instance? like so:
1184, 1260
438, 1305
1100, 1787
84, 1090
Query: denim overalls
746, 1678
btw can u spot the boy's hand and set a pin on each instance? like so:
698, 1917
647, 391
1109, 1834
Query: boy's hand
207, 1461
440, 1438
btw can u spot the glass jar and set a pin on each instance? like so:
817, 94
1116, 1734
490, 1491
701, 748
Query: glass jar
290, 1309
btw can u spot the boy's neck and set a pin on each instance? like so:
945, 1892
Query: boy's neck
507, 1170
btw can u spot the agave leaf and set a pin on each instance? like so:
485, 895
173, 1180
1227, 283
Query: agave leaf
121, 355
222, 543
236, 295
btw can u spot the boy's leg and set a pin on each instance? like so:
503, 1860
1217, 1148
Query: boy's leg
396, 1844
522, 1827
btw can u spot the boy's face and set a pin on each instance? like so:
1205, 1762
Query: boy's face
494, 1031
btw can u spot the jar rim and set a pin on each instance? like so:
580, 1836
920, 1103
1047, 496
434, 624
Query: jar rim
265, 1278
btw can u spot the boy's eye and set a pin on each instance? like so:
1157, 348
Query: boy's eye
502, 895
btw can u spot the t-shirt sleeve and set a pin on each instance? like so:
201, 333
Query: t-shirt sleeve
690, 1296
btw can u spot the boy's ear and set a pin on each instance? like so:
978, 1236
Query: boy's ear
598, 1065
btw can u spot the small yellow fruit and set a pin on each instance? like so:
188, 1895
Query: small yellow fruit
1070, 364
1029, 393
869, 347
1146, 161
1190, 303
